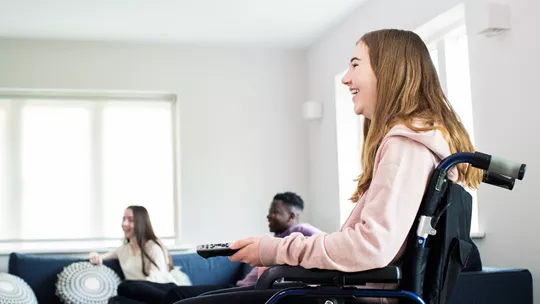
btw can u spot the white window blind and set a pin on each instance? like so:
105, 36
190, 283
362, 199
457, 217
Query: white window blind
349, 137
70, 166
4, 216
137, 162
450, 54
55, 171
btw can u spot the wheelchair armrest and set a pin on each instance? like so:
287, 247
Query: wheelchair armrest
390, 274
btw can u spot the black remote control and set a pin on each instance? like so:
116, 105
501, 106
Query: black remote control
214, 250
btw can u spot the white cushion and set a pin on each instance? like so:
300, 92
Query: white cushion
83, 282
179, 277
13, 290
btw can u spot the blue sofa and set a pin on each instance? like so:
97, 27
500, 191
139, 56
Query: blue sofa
40, 271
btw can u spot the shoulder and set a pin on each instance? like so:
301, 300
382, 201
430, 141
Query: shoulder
404, 152
397, 149
122, 248
122, 251
402, 143
401, 134
305, 229
153, 247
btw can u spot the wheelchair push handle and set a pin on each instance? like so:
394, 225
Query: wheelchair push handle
499, 165
497, 171
485, 162
499, 180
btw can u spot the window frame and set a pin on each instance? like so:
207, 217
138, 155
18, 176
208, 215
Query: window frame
342, 97
435, 32
13, 101
437, 39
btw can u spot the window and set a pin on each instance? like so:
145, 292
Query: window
449, 52
138, 156
349, 146
73, 164
4, 216
451, 58
55, 171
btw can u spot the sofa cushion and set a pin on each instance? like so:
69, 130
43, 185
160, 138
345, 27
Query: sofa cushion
213, 271
40, 272
15, 291
82, 282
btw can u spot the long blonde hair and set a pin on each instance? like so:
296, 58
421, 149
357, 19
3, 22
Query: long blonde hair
408, 89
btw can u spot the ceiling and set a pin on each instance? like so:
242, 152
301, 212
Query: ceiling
281, 23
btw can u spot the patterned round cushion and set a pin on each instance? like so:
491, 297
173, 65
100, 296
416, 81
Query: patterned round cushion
13, 290
83, 282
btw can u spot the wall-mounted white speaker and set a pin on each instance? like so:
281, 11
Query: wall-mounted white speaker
493, 18
312, 110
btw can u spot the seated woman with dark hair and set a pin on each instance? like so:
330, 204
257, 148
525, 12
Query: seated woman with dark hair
144, 260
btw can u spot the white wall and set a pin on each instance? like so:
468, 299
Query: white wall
242, 134
504, 80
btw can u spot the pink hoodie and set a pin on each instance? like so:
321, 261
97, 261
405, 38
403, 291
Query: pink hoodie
374, 234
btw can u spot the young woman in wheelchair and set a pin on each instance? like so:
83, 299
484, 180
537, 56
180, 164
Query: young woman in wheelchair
410, 126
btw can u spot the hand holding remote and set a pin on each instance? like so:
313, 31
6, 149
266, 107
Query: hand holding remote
248, 251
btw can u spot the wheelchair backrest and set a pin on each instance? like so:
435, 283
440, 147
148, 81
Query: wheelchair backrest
446, 253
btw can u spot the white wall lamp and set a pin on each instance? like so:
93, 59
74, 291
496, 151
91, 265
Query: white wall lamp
494, 19
312, 110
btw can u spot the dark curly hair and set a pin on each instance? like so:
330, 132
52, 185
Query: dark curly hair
291, 199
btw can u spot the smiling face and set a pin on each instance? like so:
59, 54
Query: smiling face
128, 224
362, 81
279, 217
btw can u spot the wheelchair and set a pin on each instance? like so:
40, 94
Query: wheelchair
438, 245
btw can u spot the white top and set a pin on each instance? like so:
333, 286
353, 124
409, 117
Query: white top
131, 263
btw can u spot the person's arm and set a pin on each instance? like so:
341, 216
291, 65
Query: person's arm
307, 230
389, 210
96, 258
159, 274
250, 279
110, 255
